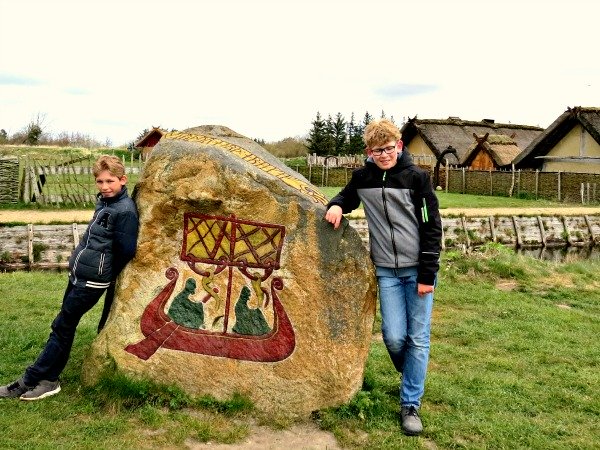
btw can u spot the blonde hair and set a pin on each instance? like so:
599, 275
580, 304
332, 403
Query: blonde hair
380, 132
111, 163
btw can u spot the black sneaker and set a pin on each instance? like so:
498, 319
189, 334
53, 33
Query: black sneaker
411, 422
14, 389
43, 389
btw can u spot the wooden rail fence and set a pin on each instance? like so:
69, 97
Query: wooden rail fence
49, 246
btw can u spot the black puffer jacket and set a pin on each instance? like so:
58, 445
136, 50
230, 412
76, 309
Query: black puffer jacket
108, 244
402, 211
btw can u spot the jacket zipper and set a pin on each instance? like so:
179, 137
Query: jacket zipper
87, 242
387, 216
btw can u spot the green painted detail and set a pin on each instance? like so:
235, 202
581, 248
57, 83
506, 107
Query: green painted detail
249, 321
424, 212
185, 312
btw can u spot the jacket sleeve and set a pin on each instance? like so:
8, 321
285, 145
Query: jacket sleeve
347, 198
430, 232
125, 240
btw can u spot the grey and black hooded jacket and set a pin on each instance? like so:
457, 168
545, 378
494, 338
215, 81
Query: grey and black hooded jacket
108, 244
402, 212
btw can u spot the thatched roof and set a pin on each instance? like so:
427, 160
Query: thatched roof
588, 118
439, 134
502, 148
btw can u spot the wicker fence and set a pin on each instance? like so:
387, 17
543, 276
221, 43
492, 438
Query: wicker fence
9, 180
558, 186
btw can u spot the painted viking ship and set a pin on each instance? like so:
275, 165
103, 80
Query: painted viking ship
226, 243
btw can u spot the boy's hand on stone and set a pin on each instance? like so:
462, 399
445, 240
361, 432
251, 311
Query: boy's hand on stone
334, 216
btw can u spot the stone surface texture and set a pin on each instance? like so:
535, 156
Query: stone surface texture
308, 354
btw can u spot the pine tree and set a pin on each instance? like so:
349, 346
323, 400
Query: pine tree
317, 137
368, 118
356, 145
339, 134
329, 136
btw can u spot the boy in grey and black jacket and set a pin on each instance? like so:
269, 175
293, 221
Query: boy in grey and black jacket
405, 238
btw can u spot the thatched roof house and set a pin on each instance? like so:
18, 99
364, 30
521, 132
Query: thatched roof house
570, 144
433, 136
492, 151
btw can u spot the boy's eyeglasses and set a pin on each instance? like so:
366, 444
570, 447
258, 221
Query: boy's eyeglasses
379, 151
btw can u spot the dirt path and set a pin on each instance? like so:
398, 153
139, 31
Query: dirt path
84, 215
297, 437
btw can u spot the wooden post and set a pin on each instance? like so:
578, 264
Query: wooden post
542, 230
559, 185
30, 244
491, 183
566, 228
464, 225
75, 235
447, 175
443, 239
582, 192
492, 229
588, 192
537, 181
464, 181
512, 183
517, 231
26, 185
590, 229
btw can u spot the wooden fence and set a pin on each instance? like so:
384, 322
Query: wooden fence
558, 186
9, 180
49, 246
69, 181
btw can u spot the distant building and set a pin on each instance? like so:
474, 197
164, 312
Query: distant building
433, 136
492, 152
148, 141
570, 144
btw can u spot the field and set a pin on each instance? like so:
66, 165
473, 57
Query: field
514, 364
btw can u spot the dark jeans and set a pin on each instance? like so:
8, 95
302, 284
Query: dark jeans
53, 358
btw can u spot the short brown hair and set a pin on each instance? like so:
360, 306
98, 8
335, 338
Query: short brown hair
380, 132
111, 163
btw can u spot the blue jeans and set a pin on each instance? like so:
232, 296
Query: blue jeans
405, 324
53, 358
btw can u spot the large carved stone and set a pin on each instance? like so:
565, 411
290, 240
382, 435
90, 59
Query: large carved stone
239, 284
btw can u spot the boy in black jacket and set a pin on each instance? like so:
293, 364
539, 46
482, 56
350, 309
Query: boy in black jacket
106, 247
405, 238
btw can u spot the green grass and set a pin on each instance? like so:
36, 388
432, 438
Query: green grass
451, 200
515, 363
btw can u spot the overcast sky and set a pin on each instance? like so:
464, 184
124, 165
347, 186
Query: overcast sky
264, 68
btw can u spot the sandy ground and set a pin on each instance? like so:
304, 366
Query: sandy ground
297, 437
83, 216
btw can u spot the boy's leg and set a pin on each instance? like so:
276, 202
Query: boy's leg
393, 314
53, 358
417, 344
108, 301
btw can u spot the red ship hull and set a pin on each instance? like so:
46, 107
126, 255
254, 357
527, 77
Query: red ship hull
162, 332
